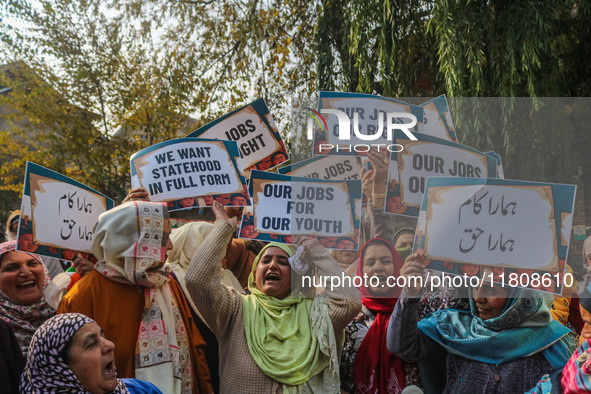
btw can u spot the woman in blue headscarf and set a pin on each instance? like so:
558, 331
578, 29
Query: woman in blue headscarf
504, 344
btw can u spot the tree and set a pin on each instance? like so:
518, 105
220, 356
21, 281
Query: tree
136, 67
469, 49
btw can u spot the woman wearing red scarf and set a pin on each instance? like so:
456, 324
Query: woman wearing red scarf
366, 364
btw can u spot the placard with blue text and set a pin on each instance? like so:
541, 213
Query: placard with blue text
285, 207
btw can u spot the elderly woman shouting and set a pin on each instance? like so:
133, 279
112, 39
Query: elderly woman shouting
130, 295
69, 354
271, 340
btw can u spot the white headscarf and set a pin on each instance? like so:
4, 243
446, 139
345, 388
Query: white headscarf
186, 240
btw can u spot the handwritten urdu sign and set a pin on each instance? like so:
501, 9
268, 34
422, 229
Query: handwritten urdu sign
514, 226
58, 214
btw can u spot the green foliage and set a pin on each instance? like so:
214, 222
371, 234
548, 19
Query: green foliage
99, 80
499, 48
104, 80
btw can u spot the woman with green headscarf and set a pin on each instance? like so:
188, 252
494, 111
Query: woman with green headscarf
272, 340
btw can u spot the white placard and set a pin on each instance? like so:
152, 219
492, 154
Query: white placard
187, 169
301, 208
512, 226
420, 160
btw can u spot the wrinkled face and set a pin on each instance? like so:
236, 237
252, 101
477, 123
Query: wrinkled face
92, 359
21, 277
346, 257
490, 300
404, 241
25, 243
586, 316
393, 204
273, 273
379, 262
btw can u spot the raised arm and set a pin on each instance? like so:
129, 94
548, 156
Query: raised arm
344, 301
404, 338
217, 303
381, 223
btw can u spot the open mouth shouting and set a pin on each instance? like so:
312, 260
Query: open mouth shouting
109, 370
273, 273
272, 277
27, 285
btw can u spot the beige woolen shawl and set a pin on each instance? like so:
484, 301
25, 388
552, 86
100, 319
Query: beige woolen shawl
186, 240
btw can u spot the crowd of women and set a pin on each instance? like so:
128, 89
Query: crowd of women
197, 310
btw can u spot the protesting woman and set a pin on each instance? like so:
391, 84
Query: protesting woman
504, 344
366, 363
27, 297
271, 340
69, 354
130, 295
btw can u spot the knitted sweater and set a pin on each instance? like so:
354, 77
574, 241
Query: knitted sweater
222, 308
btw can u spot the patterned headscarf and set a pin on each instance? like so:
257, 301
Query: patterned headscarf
45, 370
130, 244
525, 327
24, 319
576, 375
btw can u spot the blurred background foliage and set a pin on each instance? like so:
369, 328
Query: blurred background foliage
86, 83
